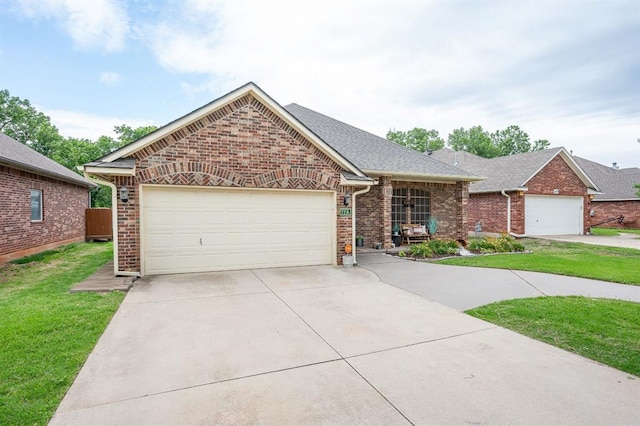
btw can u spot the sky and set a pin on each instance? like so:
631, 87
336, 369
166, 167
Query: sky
563, 70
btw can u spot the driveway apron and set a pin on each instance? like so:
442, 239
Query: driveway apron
326, 345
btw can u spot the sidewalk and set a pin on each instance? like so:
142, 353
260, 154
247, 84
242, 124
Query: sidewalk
464, 287
103, 280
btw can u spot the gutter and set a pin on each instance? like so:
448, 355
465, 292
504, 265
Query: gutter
114, 223
353, 221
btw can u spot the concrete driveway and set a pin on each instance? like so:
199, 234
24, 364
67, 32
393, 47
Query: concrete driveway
325, 345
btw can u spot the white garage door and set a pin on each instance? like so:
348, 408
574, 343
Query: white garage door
553, 215
197, 230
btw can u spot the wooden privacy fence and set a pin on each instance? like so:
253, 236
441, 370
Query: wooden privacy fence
99, 223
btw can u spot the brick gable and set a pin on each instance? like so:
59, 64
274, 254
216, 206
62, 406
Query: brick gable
244, 145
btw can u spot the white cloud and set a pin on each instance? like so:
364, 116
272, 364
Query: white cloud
83, 125
110, 78
90, 23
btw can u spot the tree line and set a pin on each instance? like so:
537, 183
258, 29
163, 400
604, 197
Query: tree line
475, 140
24, 123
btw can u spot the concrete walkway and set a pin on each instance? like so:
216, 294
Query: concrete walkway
103, 281
462, 287
327, 345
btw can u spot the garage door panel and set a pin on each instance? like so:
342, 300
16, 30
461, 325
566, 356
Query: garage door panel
553, 215
194, 230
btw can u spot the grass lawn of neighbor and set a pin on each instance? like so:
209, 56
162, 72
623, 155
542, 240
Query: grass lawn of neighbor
621, 265
603, 330
46, 333
613, 232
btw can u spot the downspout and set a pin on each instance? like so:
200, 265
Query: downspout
353, 221
509, 216
508, 212
114, 223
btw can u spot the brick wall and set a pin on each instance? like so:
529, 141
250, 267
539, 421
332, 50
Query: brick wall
63, 222
448, 205
242, 145
490, 209
608, 209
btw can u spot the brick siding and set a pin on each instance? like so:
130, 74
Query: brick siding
608, 209
448, 204
242, 145
63, 221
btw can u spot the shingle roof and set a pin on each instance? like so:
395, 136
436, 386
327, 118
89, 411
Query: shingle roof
16, 154
504, 173
371, 153
615, 184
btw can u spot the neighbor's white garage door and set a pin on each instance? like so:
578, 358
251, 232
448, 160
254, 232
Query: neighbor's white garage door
553, 215
197, 230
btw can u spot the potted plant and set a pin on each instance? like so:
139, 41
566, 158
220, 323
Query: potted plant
359, 241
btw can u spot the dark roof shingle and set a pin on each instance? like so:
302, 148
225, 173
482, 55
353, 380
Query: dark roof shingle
371, 153
615, 184
16, 154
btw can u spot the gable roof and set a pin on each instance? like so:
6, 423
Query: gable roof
113, 161
375, 155
20, 156
511, 172
615, 184
359, 153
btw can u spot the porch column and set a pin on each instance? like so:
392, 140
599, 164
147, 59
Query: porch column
462, 201
386, 192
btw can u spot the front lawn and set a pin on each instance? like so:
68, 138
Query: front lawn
604, 330
613, 232
604, 263
46, 333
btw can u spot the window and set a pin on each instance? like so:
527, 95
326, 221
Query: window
416, 200
420, 209
36, 205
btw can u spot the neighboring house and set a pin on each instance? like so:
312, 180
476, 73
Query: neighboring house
619, 196
243, 182
536, 193
42, 203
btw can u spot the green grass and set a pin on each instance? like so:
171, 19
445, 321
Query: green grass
46, 333
603, 330
613, 264
613, 232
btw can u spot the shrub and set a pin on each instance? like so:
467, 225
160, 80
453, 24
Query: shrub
420, 250
443, 247
503, 244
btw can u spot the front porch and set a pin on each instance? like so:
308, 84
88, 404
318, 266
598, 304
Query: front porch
394, 202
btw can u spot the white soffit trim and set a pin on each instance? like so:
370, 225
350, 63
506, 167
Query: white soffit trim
429, 177
113, 171
249, 88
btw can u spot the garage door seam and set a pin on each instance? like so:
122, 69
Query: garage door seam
335, 350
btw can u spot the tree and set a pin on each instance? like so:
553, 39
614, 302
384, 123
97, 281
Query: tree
475, 140
511, 140
21, 121
540, 144
418, 138
126, 134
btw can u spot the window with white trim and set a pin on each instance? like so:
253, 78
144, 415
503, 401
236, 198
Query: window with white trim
36, 205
